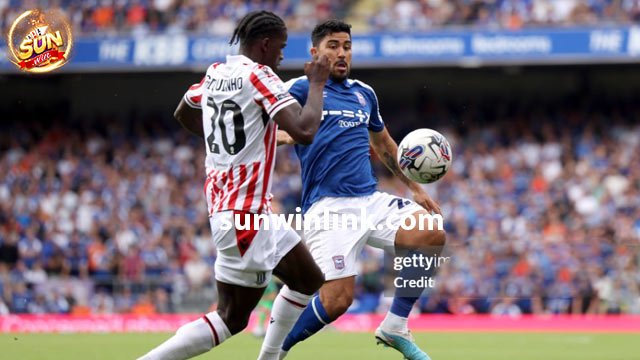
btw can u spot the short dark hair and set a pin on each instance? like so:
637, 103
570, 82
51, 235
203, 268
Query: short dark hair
255, 25
329, 27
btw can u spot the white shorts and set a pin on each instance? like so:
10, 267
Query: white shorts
337, 248
247, 257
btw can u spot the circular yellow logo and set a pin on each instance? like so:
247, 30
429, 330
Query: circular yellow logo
40, 41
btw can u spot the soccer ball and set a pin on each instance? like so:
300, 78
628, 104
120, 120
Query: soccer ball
424, 155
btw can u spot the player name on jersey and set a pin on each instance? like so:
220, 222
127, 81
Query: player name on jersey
233, 84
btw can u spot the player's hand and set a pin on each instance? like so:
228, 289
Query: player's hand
283, 138
317, 70
423, 199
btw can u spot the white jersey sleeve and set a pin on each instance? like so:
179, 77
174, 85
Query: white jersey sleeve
193, 96
269, 90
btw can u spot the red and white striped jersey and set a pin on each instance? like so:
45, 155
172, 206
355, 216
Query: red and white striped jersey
239, 99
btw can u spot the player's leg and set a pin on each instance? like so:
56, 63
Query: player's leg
394, 330
408, 240
199, 336
424, 242
335, 250
299, 272
336, 296
302, 278
236, 304
418, 237
334, 299
241, 280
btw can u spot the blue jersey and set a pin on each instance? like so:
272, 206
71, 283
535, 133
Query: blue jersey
338, 162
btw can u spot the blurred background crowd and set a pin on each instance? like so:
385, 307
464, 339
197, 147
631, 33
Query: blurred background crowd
107, 215
218, 17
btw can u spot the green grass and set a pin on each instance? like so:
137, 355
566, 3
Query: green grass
335, 346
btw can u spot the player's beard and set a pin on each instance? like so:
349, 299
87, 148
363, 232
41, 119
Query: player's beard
340, 76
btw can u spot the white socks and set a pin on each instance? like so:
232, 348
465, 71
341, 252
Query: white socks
286, 309
200, 336
192, 339
395, 322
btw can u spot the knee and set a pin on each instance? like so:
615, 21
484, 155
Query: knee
311, 284
436, 238
422, 240
430, 238
314, 283
234, 324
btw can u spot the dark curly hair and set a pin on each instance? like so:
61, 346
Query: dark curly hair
328, 27
256, 25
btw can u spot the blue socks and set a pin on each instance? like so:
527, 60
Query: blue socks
404, 299
312, 319
402, 306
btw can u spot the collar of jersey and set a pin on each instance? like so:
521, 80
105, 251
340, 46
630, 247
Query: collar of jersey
347, 83
239, 58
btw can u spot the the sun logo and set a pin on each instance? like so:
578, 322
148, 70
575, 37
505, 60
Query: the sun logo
40, 42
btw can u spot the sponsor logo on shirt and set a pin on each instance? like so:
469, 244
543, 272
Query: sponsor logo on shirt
359, 117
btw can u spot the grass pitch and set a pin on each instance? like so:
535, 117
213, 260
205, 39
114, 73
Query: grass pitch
337, 346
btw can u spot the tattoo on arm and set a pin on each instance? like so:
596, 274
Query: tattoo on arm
392, 165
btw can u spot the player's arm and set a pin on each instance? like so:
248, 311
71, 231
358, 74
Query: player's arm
283, 138
302, 122
386, 149
190, 118
189, 111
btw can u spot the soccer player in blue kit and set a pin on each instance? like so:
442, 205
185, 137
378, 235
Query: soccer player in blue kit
337, 175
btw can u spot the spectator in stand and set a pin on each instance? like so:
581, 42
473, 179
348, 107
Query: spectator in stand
132, 270
29, 247
76, 258
144, 305
162, 302
4, 309
154, 258
20, 299
9, 253
198, 272
102, 303
506, 306
124, 301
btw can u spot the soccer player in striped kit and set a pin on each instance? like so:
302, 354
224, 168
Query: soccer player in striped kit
237, 109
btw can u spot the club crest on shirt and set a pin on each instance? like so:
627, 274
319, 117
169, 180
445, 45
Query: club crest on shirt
361, 98
338, 262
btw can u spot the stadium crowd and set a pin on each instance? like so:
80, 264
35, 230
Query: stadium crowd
408, 15
541, 210
217, 17
142, 17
